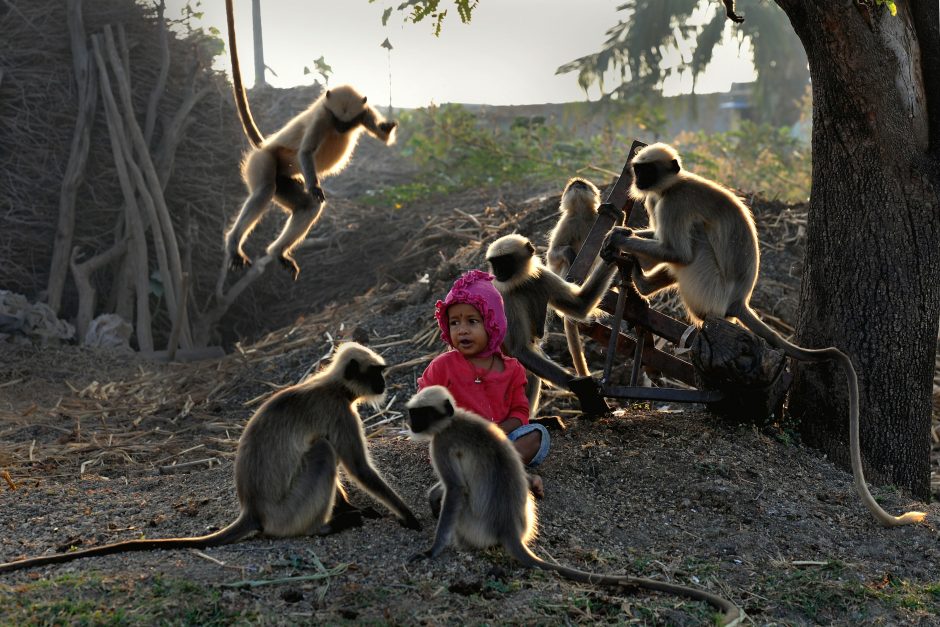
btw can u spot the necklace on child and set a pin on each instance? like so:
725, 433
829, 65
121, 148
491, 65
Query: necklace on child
481, 377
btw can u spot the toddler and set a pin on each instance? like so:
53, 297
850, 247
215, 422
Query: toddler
478, 375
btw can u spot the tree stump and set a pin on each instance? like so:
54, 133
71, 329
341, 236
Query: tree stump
753, 376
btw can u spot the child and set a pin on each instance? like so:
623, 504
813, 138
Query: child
478, 375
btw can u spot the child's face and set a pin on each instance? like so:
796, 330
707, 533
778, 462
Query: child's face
467, 333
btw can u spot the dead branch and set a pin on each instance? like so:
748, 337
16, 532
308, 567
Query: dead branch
120, 148
157, 93
171, 249
78, 155
81, 273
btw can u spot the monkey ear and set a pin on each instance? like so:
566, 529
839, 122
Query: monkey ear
364, 98
674, 166
448, 408
352, 370
529, 247
328, 92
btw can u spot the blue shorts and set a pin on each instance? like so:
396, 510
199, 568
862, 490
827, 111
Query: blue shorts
515, 434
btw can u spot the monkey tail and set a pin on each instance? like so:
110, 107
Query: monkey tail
731, 614
234, 532
831, 353
575, 347
241, 98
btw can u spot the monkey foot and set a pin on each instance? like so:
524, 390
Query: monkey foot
290, 264
341, 522
588, 392
237, 262
536, 486
411, 522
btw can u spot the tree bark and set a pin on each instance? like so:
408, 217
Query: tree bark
871, 284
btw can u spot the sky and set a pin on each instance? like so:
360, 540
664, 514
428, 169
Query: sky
507, 55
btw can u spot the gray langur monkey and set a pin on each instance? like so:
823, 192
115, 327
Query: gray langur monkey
528, 288
483, 498
578, 206
287, 166
286, 464
703, 242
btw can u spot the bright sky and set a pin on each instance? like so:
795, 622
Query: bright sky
508, 54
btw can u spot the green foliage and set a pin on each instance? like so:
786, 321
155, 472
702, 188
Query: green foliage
454, 149
420, 9
322, 68
890, 5
754, 157
653, 30
449, 143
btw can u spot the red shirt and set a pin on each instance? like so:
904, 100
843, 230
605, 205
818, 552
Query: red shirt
498, 395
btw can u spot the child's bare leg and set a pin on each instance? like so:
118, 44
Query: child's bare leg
528, 446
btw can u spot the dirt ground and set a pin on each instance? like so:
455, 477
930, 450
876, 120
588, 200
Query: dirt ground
90, 440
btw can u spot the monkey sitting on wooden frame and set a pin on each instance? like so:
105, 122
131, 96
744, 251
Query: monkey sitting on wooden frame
528, 289
702, 241
578, 206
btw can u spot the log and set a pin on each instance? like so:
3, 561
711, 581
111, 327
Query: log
753, 376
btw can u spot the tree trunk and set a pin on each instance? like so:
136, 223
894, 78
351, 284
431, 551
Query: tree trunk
259, 44
871, 283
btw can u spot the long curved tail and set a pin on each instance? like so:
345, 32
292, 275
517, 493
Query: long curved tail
731, 613
234, 532
241, 98
575, 348
755, 324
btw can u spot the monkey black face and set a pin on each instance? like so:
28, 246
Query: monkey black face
505, 267
370, 377
421, 419
344, 126
647, 175
578, 184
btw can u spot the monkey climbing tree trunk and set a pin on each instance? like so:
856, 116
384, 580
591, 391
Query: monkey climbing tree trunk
871, 283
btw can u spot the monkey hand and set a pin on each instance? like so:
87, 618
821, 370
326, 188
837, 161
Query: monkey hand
316, 192
567, 253
410, 522
370, 512
417, 557
388, 127
613, 243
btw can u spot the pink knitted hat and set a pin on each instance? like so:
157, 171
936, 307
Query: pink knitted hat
476, 288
